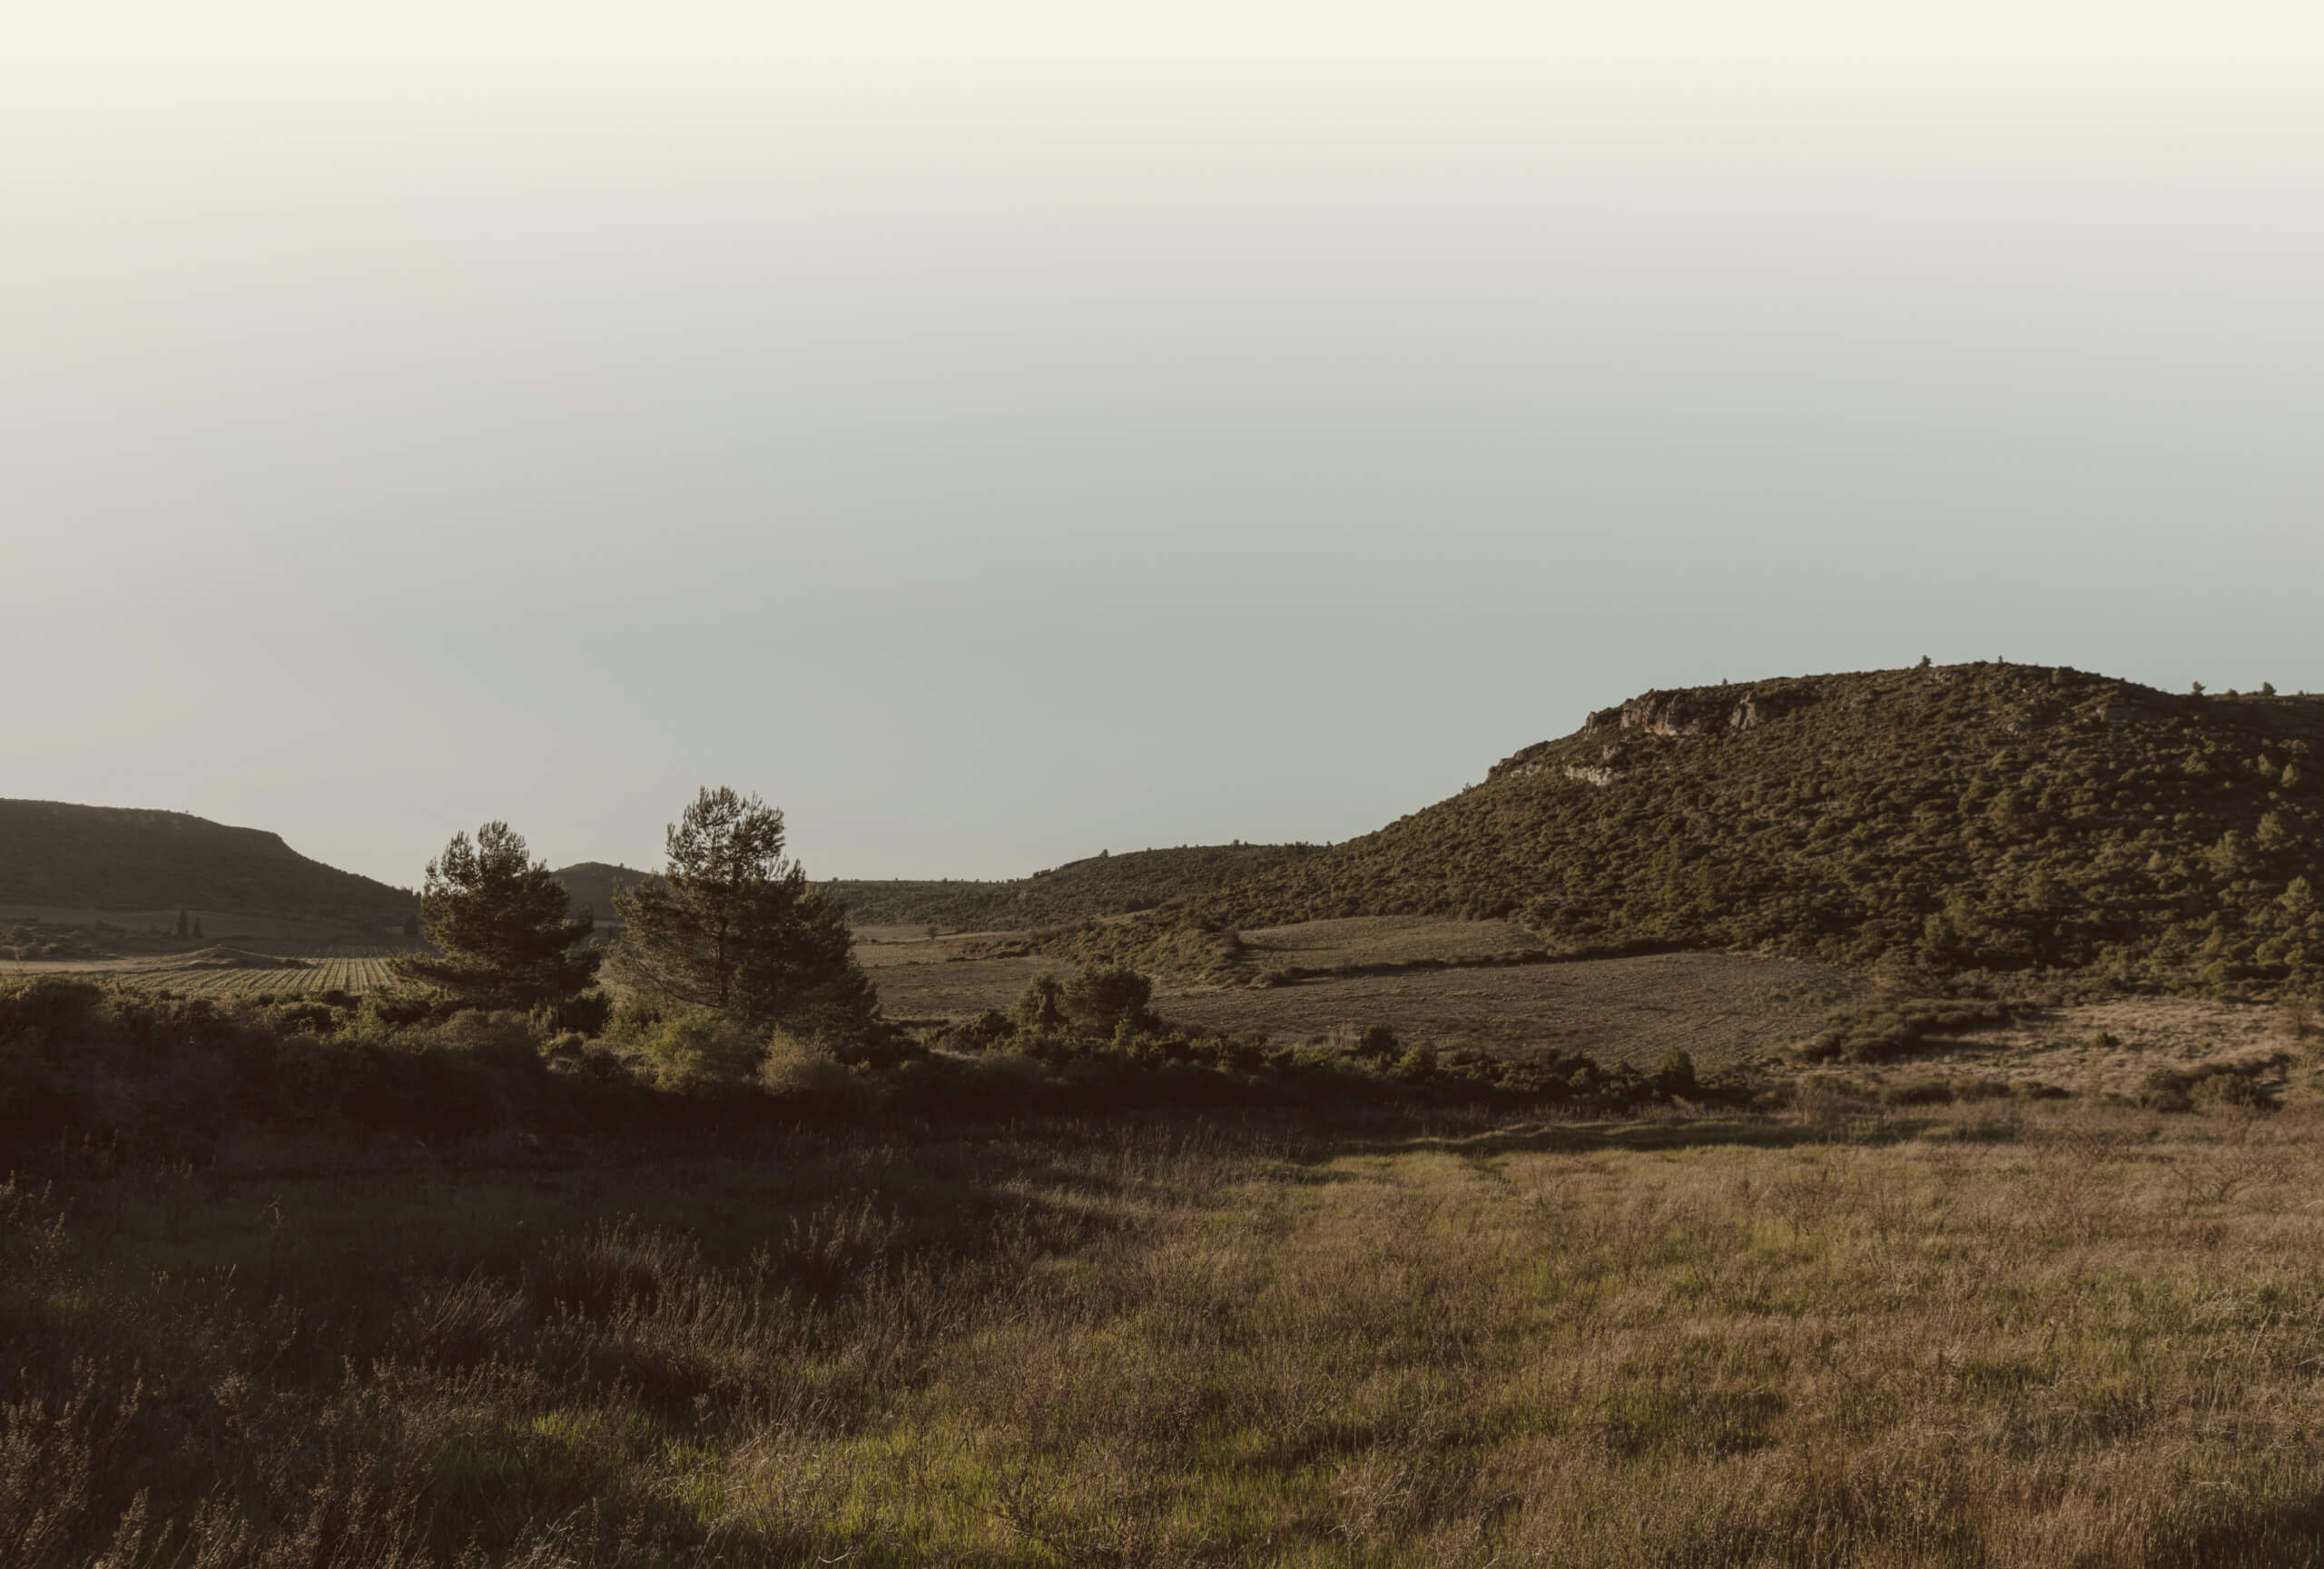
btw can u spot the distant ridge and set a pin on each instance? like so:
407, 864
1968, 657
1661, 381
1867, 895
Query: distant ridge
1100, 885
591, 884
1971, 816
52, 852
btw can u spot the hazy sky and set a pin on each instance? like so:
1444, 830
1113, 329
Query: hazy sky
995, 432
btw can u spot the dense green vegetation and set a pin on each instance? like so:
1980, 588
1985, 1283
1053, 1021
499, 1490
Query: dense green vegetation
1101, 886
733, 927
112, 858
500, 931
1980, 817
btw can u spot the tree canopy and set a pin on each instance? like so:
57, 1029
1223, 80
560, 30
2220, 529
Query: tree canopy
498, 926
734, 927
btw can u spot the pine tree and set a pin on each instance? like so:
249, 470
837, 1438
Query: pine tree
733, 927
497, 925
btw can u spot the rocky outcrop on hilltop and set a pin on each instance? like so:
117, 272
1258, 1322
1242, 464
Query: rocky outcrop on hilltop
1703, 711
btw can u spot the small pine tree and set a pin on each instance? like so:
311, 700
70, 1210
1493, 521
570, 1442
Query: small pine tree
182, 927
197, 926
497, 923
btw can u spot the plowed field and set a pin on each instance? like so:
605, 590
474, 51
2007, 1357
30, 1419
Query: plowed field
228, 971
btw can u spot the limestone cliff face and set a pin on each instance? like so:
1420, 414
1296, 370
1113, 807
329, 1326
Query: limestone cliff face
1700, 712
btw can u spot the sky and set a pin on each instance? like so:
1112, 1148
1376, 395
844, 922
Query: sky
1000, 432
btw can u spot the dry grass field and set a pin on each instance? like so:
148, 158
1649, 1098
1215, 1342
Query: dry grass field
1366, 940
1720, 1008
2063, 1335
942, 990
2106, 1049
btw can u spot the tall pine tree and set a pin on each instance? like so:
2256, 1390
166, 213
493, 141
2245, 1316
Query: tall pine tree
733, 927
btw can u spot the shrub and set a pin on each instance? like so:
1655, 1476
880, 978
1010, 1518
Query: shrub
1881, 1032
1918, 1093
701, 1051
1981, 1089
1100, 998
613, 1267
2183, 1089
2232, 1090
1040, 1007
801, 1072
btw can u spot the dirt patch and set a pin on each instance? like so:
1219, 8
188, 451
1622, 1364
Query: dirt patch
1384, 940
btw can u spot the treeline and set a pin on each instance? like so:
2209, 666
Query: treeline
732, 996
1097, 886
731, 930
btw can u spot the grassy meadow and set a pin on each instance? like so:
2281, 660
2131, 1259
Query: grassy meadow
1719, 1008
2040, 1334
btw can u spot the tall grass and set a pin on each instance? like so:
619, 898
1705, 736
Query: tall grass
2042, 1335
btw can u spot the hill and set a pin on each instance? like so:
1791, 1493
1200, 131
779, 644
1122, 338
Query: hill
591, 884
1980, 817
114, 858
1103, 884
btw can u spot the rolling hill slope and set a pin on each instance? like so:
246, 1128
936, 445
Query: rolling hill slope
1100, 885
116, 858
1986, 816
